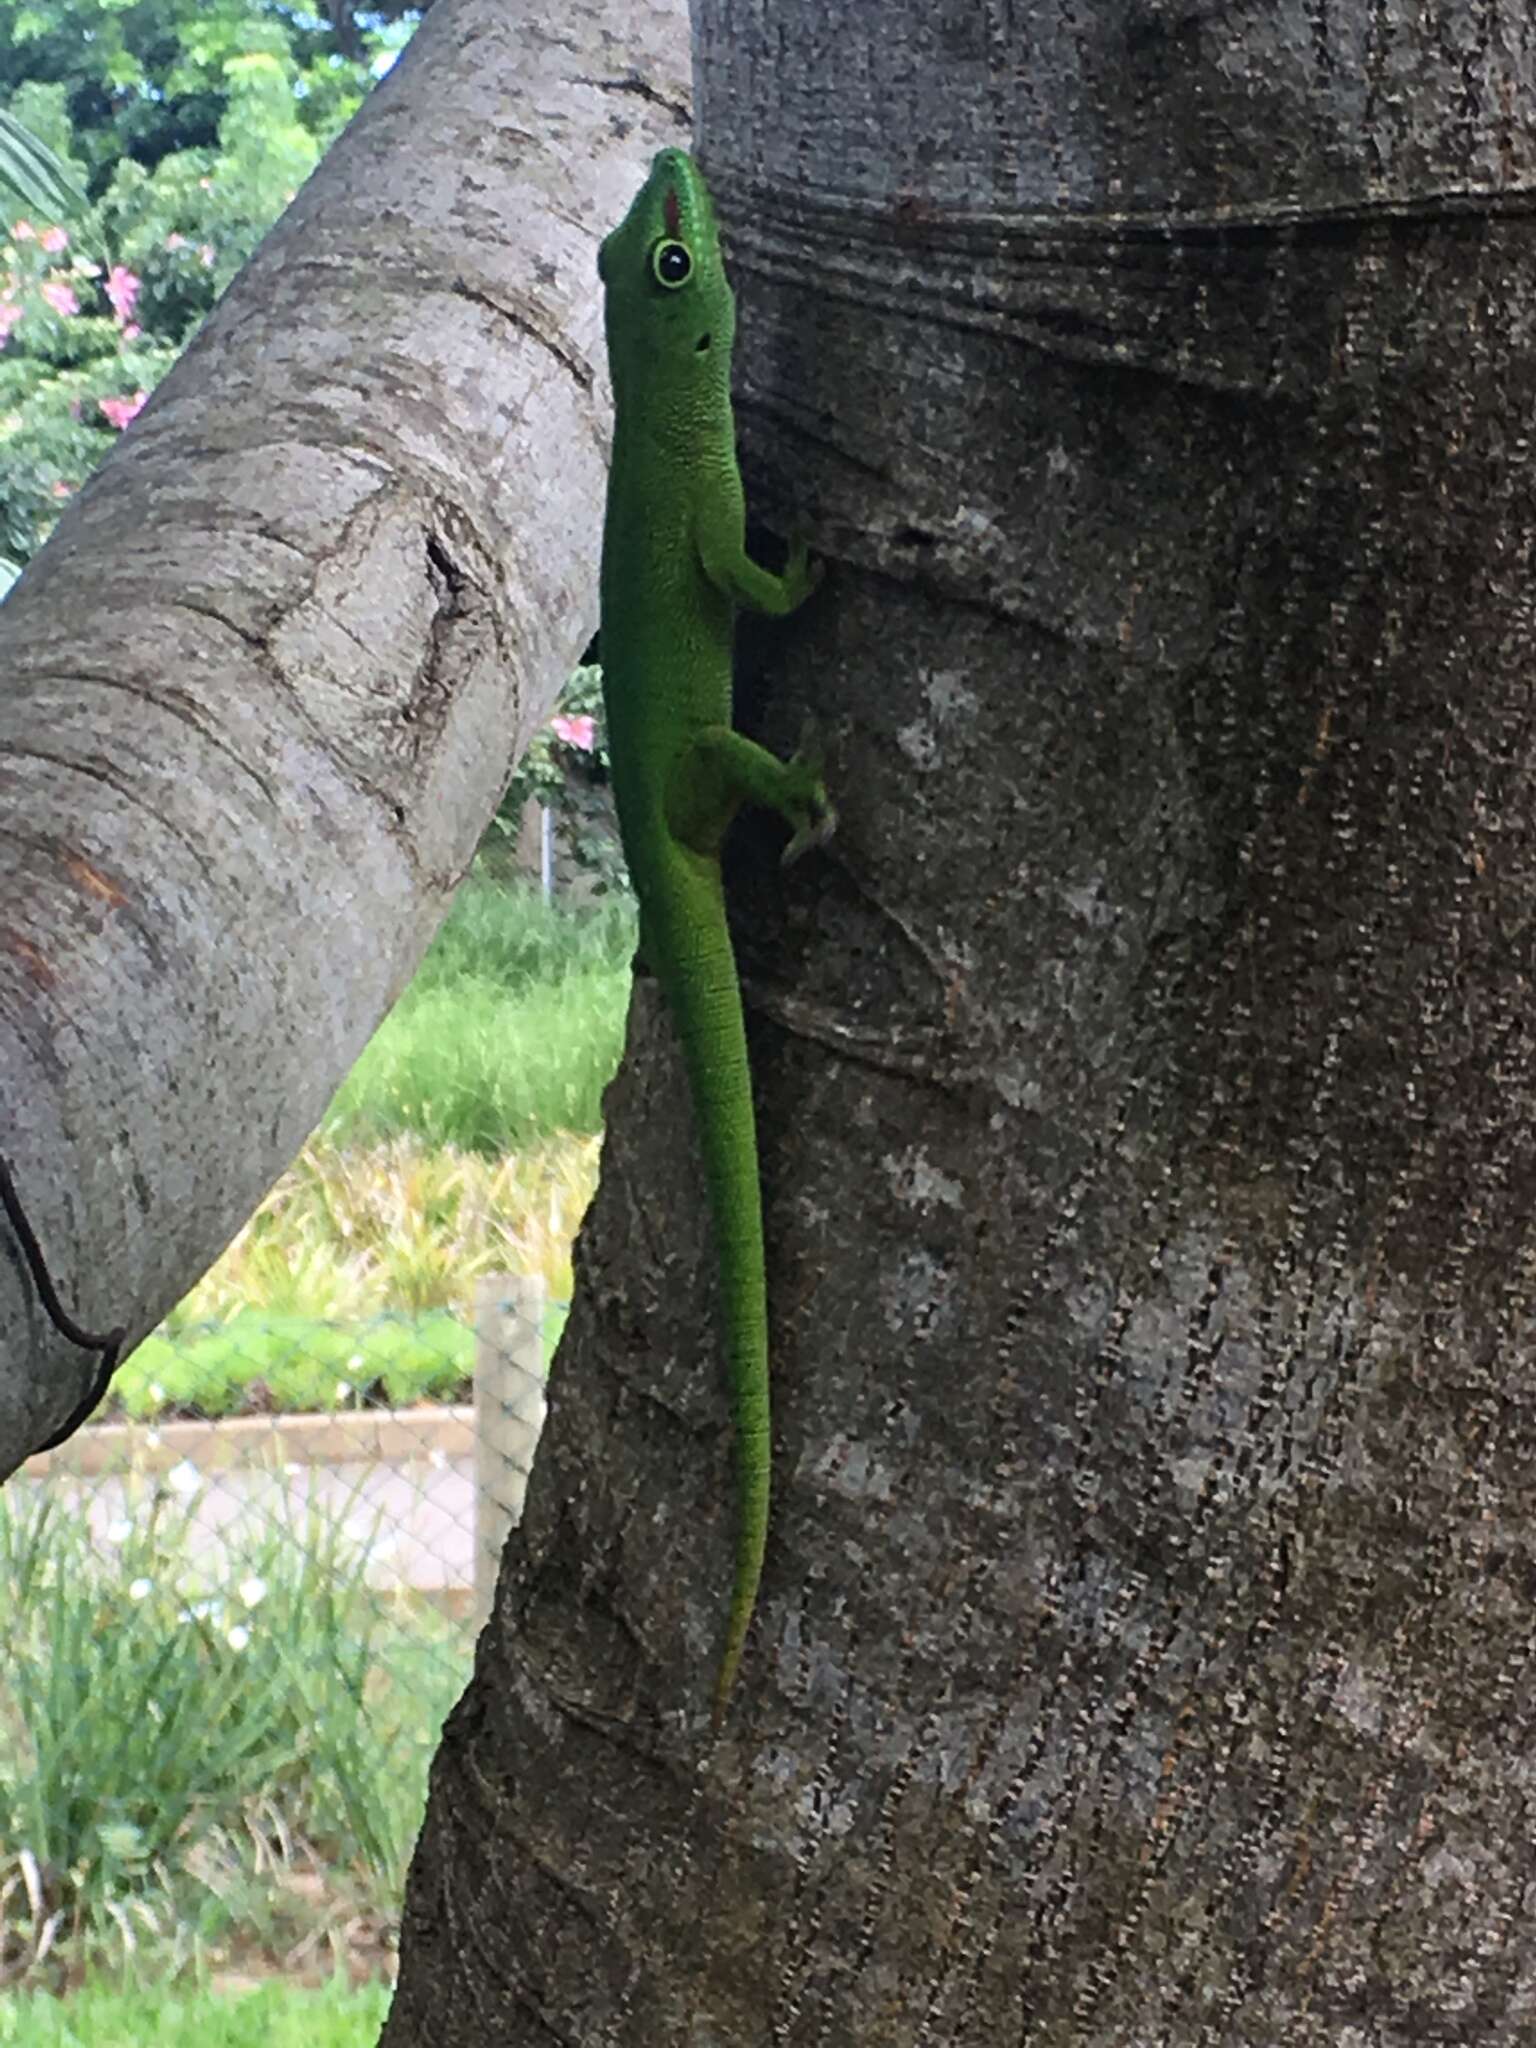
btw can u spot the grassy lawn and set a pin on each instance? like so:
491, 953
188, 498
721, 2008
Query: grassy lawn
508, 1034
276, 2016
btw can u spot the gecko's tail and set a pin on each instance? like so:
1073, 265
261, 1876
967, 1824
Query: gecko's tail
705, 998
752, 1484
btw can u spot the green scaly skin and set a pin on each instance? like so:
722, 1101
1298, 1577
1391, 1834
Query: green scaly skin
675, 571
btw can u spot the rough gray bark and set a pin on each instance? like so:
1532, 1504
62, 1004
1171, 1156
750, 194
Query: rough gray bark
1146, 1079
266, 682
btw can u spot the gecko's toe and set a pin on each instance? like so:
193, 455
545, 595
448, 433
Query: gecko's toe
817, 826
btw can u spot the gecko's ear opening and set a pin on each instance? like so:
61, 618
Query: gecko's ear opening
701, 346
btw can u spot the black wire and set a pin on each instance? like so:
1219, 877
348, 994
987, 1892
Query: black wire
109, 1345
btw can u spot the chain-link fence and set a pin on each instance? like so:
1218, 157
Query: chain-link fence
234, 1636
424, 1493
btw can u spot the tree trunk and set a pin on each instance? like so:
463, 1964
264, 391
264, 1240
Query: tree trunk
264, 686
1145, 1079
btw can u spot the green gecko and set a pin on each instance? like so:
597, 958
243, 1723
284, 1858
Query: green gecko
675, 570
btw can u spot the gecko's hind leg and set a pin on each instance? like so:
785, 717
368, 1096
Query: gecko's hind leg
722, 770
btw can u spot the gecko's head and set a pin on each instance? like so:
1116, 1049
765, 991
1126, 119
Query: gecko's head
669, 311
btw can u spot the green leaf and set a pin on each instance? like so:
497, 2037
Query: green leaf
31, 175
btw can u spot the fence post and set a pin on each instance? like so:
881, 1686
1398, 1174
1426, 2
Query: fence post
509, 1413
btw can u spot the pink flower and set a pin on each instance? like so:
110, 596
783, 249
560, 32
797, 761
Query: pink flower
576, 732
53, 240
10, 313
59, 296
123, 290
24, 231
132, 331
62, 489
175, 241
119, 411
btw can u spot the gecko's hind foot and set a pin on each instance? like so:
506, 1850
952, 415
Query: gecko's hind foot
819, 826
813, 816
802, 571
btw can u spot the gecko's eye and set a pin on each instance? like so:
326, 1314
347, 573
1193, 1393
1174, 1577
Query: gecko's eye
671, 264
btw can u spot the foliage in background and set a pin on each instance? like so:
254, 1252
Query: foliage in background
189, 123
209, 1755
258, 1362
148, 79
573, 739
566, 769
31, 176
350, 1235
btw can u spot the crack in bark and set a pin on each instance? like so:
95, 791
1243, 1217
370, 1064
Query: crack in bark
175, 703
574, 365
254, 640
913, 1052
110, 779
636, 87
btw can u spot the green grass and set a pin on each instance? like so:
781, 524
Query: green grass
276, 2016
207, 1763
507, 933
508, 1034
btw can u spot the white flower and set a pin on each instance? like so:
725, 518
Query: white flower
184, 1479
238, 1637
252, 1591
141, 1589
